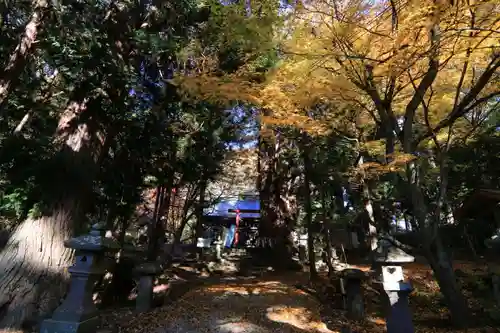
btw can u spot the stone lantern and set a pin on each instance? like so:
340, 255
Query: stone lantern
493, 243
202, 243
77, 313
389, 261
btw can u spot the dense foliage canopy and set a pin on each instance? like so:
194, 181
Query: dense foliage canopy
394, 105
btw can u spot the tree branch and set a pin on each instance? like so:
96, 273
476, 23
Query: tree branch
465, 105
422, 88
17, 60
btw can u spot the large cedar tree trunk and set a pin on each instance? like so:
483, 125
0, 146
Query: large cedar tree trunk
277, 209
33, 264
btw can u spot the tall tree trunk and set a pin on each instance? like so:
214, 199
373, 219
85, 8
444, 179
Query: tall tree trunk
32, 265
34, 260
330, 251
189, 201
207, 149
162, 207
308, 206
368, 205
200, 206
435, 252
277, 211
184, 221
18, 58
442, 267
155, 224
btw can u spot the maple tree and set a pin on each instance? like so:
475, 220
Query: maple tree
413, 71
421, 67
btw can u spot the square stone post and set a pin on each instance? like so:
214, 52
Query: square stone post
399, 319
147, 273
77, 313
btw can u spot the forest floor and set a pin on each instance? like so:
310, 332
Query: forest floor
430, 313
237, 305
288, 302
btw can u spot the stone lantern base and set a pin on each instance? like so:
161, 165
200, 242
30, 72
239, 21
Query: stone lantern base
351, 281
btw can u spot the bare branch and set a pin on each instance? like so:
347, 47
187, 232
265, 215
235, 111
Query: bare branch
394, 16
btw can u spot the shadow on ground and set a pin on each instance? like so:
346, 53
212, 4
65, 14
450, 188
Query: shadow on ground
237, 305
261, 301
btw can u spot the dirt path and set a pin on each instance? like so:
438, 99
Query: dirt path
272, 303
236, 305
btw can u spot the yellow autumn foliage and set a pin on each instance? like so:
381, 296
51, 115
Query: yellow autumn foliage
349, 53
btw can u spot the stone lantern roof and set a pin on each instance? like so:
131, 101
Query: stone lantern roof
94, 241
387, 253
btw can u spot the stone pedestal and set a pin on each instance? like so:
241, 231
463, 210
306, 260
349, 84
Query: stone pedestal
493, 244
399, 319
351, 281
302, 253
77, 313
147, 273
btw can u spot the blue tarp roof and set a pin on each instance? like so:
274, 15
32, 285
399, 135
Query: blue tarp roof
224, 205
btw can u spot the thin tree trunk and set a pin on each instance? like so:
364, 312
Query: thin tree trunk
442, 267
18, 58
154, 226
435, 253
330, 254
206, 148
372, 229
199, 208
159, 193
162, 207
367, 202
308, 206
186, 216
